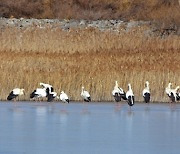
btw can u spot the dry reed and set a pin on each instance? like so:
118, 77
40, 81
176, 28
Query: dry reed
89, 57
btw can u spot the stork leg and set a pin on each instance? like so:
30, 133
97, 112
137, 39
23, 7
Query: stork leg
64, 108
15, 102
117, 106
172, 106
85, 107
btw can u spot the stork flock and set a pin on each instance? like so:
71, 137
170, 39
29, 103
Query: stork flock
119, 94
47, 91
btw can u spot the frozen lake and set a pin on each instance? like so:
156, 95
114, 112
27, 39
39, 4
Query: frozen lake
96, 128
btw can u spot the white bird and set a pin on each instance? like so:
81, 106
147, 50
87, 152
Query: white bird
172, 93
85, 95
168, 89
39, 93
14, 93
146, 92
50, 91
64, 97
47, 86
118, 93
130, 96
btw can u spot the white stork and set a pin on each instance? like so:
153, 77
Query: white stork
39, 93
118, 93
50, 91
43, 92
15, 93
64, 97
85, 95
172, 93
168, 89
47, 86
130, 96
146, 92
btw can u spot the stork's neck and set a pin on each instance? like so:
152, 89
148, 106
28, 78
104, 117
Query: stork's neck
129, 87
169, 85
82, 89
147, 86
116, 85
177, 88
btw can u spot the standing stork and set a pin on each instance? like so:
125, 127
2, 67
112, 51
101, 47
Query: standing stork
118, 93
39, 93
47, 86
49, 90
130, 96
172, 93
146, 92
85, 95
64, 97
168, 89
15, 93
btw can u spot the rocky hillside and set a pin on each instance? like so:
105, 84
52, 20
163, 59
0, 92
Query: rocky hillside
150, 28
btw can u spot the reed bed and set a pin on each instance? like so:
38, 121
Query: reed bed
90, 58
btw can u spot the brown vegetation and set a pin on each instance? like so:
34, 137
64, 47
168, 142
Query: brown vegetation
166, 11
70, 59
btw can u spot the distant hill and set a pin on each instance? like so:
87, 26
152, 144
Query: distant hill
165, 11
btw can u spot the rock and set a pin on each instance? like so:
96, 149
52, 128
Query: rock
103, 25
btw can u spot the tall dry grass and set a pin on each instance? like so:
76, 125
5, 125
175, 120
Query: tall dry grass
165, 11
94, 59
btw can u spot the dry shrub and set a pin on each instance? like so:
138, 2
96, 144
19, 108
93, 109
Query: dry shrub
22, 8
95, 59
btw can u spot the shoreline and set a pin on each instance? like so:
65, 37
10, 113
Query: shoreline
95, 102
